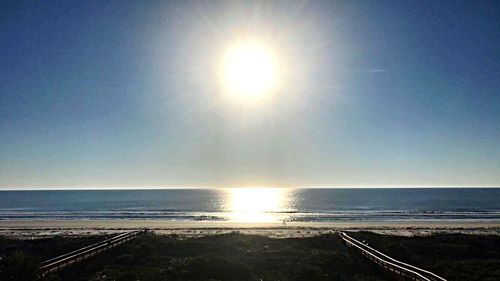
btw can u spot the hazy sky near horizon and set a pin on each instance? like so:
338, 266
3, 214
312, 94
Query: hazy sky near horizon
124, 94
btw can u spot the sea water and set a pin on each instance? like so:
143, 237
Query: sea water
259, 204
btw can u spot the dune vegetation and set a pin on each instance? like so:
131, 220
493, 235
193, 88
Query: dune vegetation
245, 257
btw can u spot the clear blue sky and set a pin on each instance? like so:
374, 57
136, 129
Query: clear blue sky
122, 94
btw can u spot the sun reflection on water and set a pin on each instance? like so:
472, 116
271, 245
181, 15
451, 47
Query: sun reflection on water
254, 205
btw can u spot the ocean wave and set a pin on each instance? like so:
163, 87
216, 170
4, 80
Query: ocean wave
298, 216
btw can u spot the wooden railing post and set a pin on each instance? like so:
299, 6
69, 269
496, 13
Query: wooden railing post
385, 262
56, 264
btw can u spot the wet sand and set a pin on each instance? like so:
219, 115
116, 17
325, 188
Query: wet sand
39, 229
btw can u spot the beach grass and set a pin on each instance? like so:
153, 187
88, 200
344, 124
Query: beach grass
236, 256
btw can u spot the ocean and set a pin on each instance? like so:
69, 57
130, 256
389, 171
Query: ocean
256, 205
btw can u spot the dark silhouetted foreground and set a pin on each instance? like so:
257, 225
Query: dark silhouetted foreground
244, 257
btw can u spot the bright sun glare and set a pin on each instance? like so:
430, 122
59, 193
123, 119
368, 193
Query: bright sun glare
256, 204
249, 71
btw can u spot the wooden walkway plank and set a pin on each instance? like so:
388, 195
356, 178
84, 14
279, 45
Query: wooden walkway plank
58, 263
390, 264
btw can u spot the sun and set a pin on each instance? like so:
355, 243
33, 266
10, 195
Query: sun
250, 71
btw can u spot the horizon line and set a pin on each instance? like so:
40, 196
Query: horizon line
234, 187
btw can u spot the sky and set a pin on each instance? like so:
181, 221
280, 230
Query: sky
100, 94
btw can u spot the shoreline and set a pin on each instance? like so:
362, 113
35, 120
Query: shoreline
67, 228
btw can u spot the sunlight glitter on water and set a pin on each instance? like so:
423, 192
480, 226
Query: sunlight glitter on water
258, 205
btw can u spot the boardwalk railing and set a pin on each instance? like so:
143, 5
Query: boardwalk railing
63, 261
392, 265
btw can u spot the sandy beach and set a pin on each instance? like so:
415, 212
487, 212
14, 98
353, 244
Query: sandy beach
223, 250
39, 229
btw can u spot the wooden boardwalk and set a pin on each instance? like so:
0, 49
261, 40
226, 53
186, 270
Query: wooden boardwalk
403, 270
56, 264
